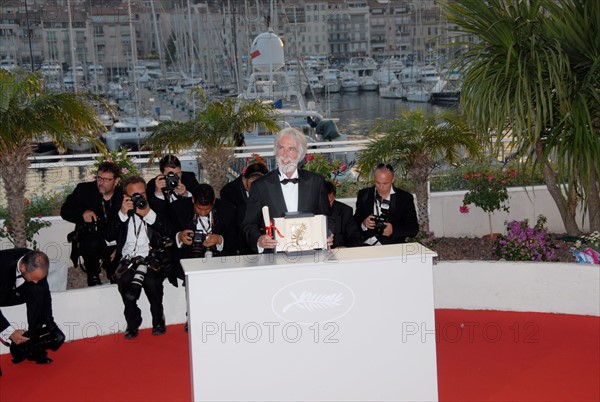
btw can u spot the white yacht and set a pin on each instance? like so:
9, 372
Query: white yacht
331, 80
349, 83
129, 132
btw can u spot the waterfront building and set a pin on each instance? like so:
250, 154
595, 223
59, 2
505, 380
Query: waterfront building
213, 37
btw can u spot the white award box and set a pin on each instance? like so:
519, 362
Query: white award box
301, 233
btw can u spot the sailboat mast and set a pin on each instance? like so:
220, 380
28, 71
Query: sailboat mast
161, 59
72, 46
136, 88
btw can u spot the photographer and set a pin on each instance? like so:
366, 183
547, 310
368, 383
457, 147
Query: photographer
138, 231
23, 280
386, 214
172, 183
90, 207
204, 223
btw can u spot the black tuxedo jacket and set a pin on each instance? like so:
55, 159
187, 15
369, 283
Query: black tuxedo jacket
187, 178
234, 192
87, 197
345, 230
8, 276
223, 223
402, 214
266, 191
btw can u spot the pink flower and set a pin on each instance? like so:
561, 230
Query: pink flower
490, 178
343, 167
466, 176
125, 170
39, 216
310, 157
463, 209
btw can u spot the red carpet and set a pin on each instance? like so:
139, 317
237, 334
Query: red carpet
482, 356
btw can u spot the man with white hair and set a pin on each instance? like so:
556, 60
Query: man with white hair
285, 189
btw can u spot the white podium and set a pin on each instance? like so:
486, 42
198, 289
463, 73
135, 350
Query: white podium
350, 324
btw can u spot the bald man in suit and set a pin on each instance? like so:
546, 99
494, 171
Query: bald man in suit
23, 280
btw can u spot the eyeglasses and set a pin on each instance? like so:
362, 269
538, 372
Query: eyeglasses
105, 179
385, 166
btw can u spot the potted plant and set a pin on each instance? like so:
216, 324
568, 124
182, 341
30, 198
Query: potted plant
488, 191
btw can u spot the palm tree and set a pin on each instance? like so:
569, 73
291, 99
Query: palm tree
535, 75
416, 143
215, 130
27, 113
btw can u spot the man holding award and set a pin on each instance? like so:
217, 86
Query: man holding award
283, 191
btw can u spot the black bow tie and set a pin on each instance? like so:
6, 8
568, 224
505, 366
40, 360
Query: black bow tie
286, 181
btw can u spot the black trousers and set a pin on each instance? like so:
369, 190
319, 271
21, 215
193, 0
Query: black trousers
37, 299
153, 287
92, 264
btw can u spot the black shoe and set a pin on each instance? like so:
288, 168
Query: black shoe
159, 330
39, 357
94, 280
131, 333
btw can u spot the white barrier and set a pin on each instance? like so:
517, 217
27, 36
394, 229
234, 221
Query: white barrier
545, 287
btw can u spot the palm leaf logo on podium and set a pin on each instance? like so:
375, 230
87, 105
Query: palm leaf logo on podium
309, 301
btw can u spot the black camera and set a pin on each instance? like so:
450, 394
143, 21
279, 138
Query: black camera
382, 218
198, 238
159, 259
48, 337
171, 181
83, 230
139, 202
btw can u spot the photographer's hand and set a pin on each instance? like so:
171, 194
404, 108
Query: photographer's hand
186, 236
389, 230
160, 183
212, 240
89, 216
126, 205
180, 189
17, 337
369, 222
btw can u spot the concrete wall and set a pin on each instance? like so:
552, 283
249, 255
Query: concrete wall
445, 219
472, 285
525, 203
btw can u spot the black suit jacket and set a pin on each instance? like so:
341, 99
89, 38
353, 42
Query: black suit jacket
266, 191
87, 197
187, 178
8, 276
234, 192
402, 213
223, 223
117, 230
345, 230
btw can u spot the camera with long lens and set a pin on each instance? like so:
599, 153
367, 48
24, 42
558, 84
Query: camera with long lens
138, 264
139, 202
383, 217
141, 269
198, 238
171, 181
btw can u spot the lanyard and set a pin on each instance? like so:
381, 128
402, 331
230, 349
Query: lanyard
136, 232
